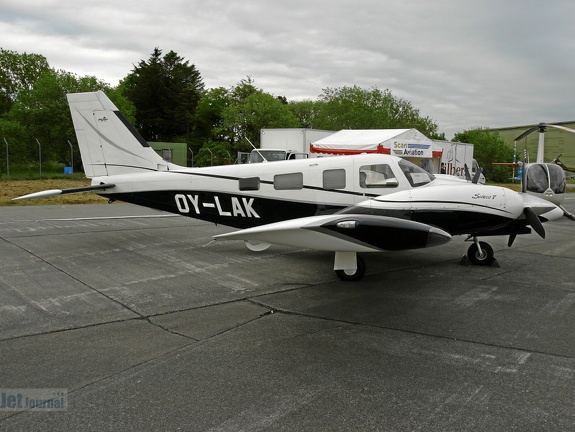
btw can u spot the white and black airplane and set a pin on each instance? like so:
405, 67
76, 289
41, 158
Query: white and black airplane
344, 204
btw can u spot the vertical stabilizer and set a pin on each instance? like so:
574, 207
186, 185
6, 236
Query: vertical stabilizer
109, 144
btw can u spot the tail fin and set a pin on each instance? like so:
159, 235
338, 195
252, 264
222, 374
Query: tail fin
109, 144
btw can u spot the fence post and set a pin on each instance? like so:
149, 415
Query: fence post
7, 160
71, 155
40, 156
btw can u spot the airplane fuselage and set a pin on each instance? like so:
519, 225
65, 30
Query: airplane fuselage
245, 196
250, 195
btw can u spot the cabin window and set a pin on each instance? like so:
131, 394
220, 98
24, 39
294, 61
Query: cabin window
416, 176
249, 184
334, 179
377, 176
288, 181
556, 178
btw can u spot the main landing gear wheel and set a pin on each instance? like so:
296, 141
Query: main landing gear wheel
480, 253
351, 275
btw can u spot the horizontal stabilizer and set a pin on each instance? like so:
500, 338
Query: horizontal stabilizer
56, 192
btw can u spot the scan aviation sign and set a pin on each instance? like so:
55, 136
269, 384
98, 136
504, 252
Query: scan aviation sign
411, 149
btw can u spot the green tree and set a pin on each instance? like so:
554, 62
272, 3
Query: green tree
306, 112
226, 119
243, 89
357, 108
165, 91
208, 115
243, 121
42, 111
214, 153
18, 72
488, 147
15, 135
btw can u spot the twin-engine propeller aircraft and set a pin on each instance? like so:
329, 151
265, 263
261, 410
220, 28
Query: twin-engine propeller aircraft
345, 204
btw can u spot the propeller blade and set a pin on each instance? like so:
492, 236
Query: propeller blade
534, 221
561, 127
527, 132
476, 176
512, 234
541, 127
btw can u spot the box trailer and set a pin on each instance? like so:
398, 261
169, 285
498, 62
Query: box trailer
455, 156
286, 143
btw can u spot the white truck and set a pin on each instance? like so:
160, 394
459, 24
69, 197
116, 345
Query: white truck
455, 156
286, 143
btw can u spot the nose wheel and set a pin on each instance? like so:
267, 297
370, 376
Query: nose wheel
480, 253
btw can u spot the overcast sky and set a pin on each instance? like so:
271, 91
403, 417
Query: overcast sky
463, 63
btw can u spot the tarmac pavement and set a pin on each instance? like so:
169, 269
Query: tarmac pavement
148, 325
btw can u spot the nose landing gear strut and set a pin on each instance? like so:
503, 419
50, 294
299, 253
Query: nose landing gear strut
479, 253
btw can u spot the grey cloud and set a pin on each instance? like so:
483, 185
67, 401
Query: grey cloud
463, 63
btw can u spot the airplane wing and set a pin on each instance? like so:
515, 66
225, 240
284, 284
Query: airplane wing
56, 192
345, 233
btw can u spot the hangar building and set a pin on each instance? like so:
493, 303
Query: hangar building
557, 141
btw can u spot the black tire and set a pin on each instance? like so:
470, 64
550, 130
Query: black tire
477, 258
357, 275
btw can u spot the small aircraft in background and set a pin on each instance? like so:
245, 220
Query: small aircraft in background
344, 204
545, 180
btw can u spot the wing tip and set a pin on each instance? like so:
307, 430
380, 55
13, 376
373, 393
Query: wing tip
41, 194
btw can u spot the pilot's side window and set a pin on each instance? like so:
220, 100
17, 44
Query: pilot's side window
377, 176
291, 181
249, 184
334, 179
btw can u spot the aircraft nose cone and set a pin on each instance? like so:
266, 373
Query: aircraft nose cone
436, 237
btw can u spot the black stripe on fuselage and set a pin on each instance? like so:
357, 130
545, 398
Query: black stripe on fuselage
235, 210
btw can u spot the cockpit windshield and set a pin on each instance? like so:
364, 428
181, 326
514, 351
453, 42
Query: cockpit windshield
416, 176
541, 177
556, 178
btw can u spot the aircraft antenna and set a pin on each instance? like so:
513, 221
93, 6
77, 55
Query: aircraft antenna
256, 149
